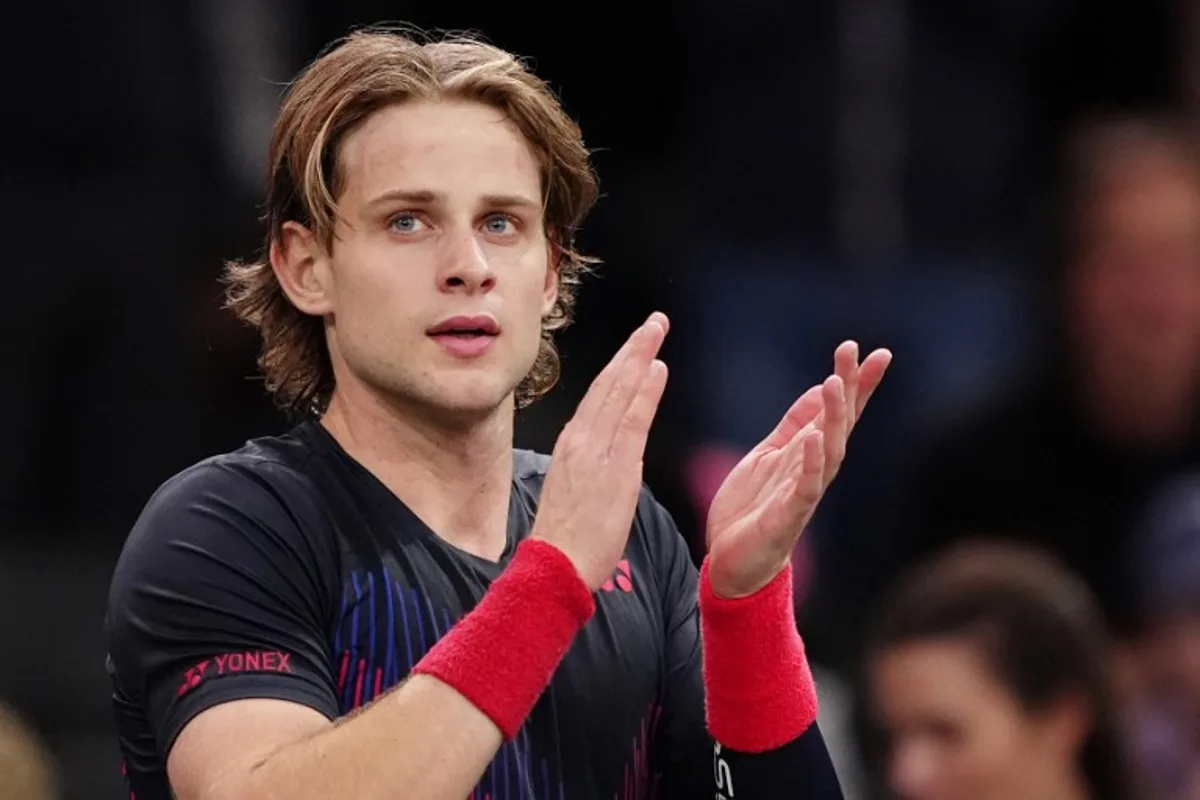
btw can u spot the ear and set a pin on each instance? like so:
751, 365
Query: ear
301, 265
550, 289
1067, 724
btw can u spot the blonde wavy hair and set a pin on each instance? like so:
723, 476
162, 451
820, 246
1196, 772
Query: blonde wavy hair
363, 73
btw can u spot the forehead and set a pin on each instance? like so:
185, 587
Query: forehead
461, 149
939, 673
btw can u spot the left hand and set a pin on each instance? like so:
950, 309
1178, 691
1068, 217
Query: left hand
758, 514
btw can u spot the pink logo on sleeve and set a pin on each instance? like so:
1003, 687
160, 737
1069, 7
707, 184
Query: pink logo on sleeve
229, 663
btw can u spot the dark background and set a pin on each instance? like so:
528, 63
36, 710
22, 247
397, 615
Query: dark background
830, 169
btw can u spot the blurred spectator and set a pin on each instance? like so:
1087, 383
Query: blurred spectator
1066, 463
1166, 696
991, 678
26, 771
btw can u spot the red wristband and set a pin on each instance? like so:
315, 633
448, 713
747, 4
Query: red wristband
502, 655
758, 687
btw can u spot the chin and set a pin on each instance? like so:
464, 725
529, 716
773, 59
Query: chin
471, 395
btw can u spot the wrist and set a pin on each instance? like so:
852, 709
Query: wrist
503, 654
584, 570
544, 565
758, 686
728, 587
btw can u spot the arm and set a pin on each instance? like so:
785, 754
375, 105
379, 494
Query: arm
218, 565
219, 562
423, 736
761, 739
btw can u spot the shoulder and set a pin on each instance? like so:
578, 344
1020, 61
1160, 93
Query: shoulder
253, 505
264, 476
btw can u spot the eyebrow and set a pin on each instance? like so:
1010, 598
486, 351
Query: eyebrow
427, 197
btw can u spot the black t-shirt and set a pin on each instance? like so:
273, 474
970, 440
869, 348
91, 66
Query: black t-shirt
286, 570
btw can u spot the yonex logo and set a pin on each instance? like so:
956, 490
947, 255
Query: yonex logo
249, 661
192, 678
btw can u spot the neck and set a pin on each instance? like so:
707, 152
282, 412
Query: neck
455, 475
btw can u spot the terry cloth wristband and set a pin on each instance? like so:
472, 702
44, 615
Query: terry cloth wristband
758, 687
502, 655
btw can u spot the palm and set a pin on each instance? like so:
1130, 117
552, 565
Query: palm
764, 504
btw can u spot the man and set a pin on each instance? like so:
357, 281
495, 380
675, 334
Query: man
388, 601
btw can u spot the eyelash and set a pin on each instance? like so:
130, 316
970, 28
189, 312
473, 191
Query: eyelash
509, 218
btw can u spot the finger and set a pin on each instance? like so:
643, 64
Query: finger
806, 409
799, 495
835, 424
785, 464
607, 422
630, 443
845, 366
597, 394
809, 483
870, 375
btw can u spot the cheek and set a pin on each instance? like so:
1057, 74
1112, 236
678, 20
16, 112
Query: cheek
991, 750
374, 308
976, 760
999, 756
930, 767
531, 289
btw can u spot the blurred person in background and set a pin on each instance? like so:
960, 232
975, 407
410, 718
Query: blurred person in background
990, 679
1067, 462
1165, 664
27, 771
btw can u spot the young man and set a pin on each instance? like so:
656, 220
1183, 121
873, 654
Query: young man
391, 602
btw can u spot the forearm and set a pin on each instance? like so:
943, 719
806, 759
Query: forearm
422, 740
433, 736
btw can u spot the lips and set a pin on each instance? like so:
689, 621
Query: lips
466, 337
478, 325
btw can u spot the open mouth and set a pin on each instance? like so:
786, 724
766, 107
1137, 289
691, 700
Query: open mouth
464, 333
466, 337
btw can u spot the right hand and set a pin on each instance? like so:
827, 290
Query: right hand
595, 476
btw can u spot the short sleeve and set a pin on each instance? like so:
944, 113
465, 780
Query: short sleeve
223, 593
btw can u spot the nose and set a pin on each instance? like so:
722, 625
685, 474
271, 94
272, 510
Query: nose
913, 771
465, 267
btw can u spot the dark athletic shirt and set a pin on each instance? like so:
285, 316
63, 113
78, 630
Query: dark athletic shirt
286, 570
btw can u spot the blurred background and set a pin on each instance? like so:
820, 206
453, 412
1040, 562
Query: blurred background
1004, 192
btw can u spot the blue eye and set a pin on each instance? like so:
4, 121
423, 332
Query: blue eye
499, 224
406, 223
